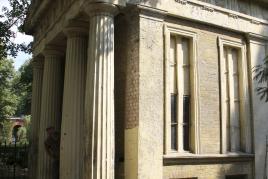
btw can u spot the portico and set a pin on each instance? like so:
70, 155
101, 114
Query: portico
77, 93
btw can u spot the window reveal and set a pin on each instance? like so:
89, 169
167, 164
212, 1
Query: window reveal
236, 135
232, 99
179, 86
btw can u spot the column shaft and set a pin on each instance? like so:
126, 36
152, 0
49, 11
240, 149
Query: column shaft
73, 106
50, 113
35, 112
99, 117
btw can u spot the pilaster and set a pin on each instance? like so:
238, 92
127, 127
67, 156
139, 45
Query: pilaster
50, 110
99, 105
71, 160
257, 51
37, 64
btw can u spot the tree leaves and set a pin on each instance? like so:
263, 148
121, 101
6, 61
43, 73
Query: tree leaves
8, 100
15, 89
13, 17
22, 85
261, 77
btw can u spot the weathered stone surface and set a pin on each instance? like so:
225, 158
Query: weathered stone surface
50, 111
71, 155
151, 87
258, 50
210, 171
126, 93
139, 85
99, 105
38, 66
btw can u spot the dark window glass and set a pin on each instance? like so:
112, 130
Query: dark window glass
186, 122
174, 122
236, 177
174, 137
173, 108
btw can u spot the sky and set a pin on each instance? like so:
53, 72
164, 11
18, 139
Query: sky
20, 38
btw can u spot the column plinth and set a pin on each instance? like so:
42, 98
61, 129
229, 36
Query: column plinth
71, 157
99, 105
37, 64
50, 111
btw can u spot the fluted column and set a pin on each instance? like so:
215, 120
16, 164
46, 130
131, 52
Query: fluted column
71, 158
50, 110
99, 105
37, 64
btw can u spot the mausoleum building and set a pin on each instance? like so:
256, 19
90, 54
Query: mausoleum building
148, 89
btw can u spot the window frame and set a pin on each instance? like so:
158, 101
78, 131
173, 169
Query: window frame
194, 95
245, 109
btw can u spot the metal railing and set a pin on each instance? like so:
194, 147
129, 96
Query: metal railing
13, 161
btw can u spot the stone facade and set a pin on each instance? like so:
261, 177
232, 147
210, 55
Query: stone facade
111, 109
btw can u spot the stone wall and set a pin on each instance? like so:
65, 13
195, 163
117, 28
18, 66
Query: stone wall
151, 97
126, 93
151, 100
207, 171
209, 85
139, 94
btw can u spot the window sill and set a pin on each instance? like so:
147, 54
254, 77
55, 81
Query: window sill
190, 158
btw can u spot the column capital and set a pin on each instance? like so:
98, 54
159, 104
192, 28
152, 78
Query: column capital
53, 50
76, 28
93, 8
37, 63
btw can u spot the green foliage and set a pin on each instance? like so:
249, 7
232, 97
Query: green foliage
6, 131
28, 127
22, 135
10, 18
261, 76
8, 100
15, 97
22, 85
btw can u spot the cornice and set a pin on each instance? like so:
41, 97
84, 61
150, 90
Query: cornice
256, 36
224, 10
36, 10
151, 13
212, 15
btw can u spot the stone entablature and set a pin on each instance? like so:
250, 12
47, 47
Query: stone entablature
53, 18
258, 8
45, 17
